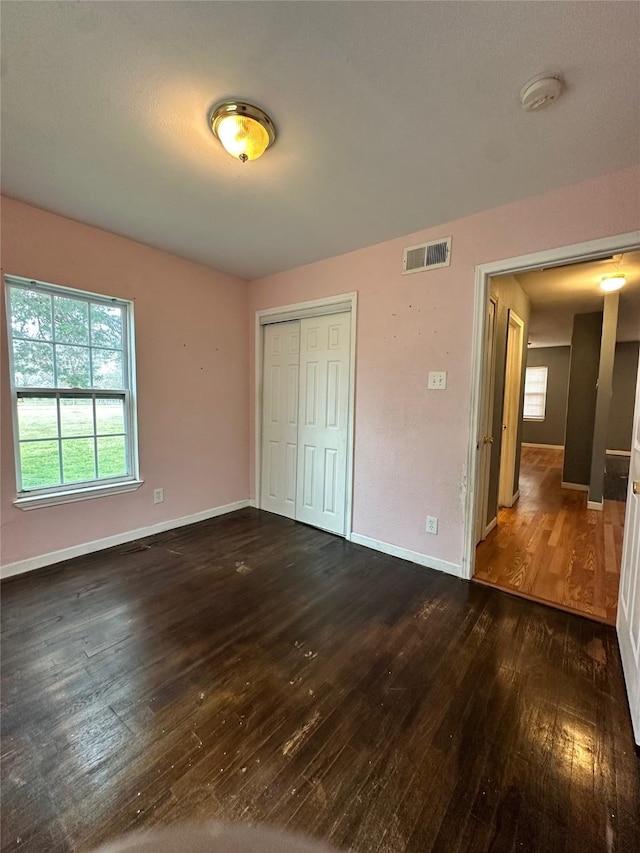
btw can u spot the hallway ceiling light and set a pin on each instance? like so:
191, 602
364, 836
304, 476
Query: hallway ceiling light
609, 283
244, 131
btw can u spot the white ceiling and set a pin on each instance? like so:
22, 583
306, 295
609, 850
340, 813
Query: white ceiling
392, 116
559, 293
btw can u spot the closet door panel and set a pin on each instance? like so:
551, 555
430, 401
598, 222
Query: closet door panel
323, 418
280, 388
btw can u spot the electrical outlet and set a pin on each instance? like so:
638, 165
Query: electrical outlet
432, 524
158, 496
437, 380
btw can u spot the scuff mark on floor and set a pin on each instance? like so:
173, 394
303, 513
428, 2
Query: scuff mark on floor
596, 650
320, 794
294, 743
610, 836
427, 608
242, 568
134, 548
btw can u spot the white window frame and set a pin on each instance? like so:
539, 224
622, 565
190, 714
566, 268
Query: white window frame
537, 418
99, 487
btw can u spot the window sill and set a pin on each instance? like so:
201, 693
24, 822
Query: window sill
82, 494
533, 420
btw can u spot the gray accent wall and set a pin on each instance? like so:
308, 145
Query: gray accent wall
551, 429
603, 397
509, 295
625, 371
581, 403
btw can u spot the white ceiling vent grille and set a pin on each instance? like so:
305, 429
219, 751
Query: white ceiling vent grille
427, 256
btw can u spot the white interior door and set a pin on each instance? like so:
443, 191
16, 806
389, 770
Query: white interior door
323, 419
485, 438
511, 409
628, 622
280, 383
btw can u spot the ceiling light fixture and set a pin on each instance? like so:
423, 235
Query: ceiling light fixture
612, 282
244, 131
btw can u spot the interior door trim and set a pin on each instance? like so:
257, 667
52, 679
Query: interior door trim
338, 304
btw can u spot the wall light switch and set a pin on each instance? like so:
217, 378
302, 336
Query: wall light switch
437, 380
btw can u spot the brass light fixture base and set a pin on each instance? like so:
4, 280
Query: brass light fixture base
241, 110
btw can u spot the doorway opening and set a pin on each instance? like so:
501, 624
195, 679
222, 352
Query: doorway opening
556, 438
495, 450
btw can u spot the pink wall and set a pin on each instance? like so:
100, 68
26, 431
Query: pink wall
192, 372
194, 347
411, 445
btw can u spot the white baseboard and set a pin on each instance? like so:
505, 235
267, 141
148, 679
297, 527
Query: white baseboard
33, 563
406, 554
544, 446
253, 502
576, 487
514, 498
618, 453
595, 505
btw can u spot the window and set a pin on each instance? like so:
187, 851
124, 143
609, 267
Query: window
71, 358
535, 393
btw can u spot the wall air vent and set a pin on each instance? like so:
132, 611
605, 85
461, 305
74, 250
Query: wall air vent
427, 256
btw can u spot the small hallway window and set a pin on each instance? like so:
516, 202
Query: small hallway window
535, 393
72, 382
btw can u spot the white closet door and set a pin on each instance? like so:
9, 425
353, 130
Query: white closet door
323, 415
280, 417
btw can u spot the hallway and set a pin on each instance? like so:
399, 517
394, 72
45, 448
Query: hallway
549, 547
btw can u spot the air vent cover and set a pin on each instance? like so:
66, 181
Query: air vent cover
427, 256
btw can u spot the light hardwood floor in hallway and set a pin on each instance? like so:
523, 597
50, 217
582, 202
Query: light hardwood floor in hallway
549, 547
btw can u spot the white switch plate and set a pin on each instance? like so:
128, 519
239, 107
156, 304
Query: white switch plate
158, 496
432, 524
437, 380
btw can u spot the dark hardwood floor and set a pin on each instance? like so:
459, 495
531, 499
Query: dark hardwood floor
253, 669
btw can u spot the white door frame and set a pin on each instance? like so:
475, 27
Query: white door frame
481, 528
511, 400
298, 311
591, 250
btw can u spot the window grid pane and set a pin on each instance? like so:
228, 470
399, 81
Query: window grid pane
78, 460
57, 442
31, 315
106, 344
37, 419
40, 464
77, 453
34, 363
76, 417
535, 393
71, 320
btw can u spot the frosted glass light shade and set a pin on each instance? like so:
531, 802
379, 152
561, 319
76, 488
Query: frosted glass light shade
613, 282
244, 131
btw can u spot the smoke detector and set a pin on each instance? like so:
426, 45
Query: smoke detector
540, 92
